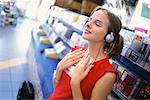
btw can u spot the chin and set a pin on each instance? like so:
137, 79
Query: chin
85, 37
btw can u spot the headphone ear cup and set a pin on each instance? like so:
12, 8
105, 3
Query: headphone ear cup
109, 37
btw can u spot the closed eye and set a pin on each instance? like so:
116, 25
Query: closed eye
98, 23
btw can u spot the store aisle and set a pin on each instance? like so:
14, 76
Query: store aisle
14, 42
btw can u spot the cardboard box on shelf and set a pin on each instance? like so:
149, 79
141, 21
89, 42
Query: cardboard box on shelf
87, 7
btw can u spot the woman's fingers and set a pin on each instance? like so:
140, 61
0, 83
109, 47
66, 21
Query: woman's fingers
75, 51
78, 55
86, 62
74, 54
72, 58
78, 52
87, 70
83, 58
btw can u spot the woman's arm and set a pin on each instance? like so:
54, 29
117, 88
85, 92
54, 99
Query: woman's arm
76, 90
80, 72
103, 86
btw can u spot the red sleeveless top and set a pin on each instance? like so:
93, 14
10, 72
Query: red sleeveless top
63, 91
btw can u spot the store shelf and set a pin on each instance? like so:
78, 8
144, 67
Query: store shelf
60, 38
56, 37
56, 40
68, 25
119, 94
135, 69
43, 65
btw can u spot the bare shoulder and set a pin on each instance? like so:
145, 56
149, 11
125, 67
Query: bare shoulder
108, 79
109, 76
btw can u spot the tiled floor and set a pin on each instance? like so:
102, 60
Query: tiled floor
14, 42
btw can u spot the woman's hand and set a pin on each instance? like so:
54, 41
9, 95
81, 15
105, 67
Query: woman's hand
81, 69
70, 59
80, 72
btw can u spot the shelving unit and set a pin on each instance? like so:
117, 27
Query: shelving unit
41, 68
138, 75
134, 68
8, 13
133, 46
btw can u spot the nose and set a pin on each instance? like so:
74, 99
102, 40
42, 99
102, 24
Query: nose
88, 24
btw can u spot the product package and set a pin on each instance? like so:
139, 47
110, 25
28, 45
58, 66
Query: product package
126, 84
142, 91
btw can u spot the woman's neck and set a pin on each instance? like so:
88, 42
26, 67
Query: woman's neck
96, 50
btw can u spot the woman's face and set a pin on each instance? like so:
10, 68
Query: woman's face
96, 27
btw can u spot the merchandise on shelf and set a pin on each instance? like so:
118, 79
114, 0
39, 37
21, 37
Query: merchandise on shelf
61, 34
139, 52
142, 91
42, 64
2, 18
127, 82
128, 36
44, 40
79, 24
51, 53
80, 6
88, 6
67, 17
75, 38
59, 47
41, 32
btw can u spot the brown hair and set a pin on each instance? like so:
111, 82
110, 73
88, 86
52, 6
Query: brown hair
114, 48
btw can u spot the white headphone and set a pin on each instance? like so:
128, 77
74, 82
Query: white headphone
109, 37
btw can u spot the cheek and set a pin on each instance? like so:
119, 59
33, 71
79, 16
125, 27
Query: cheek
99, 35
96, 37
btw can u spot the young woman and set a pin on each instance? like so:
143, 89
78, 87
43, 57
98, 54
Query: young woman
75, 78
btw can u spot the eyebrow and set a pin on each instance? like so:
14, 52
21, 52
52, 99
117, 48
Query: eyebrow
97, 20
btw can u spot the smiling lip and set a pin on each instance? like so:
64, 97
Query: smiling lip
87, 31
